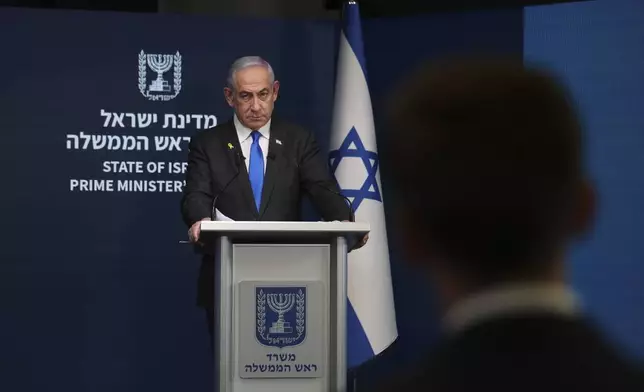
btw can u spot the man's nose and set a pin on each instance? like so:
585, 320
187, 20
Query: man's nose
254, 105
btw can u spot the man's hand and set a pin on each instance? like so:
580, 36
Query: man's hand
362, 242
195, 231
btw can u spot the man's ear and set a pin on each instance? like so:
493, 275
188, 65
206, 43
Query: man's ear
228, 94
276, 89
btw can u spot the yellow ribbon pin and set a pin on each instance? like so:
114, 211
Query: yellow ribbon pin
230, 146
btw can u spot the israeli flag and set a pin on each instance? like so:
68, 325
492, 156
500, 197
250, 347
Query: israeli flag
354, 161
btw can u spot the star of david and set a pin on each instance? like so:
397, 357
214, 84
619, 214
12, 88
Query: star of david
352, 147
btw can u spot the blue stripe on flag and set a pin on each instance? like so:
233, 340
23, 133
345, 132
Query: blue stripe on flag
359, 348
353, 33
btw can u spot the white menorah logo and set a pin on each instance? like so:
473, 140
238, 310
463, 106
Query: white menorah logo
280, 315
160, 63
159, 89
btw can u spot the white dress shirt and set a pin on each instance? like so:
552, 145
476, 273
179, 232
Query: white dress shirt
511, 300
245, 140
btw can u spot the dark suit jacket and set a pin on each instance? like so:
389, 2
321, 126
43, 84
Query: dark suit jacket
293, 168
524, 353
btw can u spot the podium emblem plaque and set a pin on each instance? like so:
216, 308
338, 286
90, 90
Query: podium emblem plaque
281, 329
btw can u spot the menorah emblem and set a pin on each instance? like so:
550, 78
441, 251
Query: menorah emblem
280, 315
280, 304
159, 89
160, 63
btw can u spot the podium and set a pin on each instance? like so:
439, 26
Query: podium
280, 304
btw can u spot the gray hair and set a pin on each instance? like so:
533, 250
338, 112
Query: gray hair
246, 62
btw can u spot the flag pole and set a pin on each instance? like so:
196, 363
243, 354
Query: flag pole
352, 376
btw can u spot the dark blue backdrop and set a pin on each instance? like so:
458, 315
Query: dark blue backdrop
596, 47
95, 292
394, 47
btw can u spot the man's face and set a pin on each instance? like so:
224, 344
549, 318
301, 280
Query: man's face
253, 97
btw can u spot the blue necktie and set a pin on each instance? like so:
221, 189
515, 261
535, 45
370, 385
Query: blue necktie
256, 168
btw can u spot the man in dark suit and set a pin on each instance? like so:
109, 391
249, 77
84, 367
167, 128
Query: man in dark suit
257, 167
491, 191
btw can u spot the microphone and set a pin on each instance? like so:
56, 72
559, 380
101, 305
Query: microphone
352, 240
238, 159
352, 217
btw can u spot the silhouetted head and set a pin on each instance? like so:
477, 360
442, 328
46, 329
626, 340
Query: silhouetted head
487, 170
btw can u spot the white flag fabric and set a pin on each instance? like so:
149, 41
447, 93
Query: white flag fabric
354, 161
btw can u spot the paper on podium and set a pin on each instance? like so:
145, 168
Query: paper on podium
219, 216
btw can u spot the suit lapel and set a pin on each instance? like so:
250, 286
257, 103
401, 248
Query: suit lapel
274, 161
231, 138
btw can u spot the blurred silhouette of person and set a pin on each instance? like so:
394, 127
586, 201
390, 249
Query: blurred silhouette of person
490, 191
